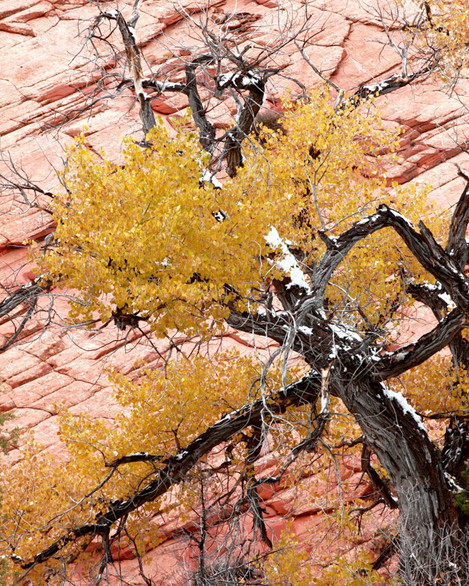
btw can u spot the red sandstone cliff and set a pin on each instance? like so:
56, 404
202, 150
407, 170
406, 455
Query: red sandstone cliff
44, 87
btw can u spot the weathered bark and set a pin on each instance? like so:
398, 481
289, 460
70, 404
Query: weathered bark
207, 130
426, 505
429, 518
174, 469
244, 123
127, 31
417, 472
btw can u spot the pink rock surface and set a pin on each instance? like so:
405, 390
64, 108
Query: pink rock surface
40, 82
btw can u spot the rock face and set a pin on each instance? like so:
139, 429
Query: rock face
46, 81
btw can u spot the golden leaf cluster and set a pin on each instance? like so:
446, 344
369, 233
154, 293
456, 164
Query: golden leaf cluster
146, 238
151, 238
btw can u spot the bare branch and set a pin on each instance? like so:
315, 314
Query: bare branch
129, 38
407, 357
175, 469
457, 246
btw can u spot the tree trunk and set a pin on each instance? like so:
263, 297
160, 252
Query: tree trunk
432, 541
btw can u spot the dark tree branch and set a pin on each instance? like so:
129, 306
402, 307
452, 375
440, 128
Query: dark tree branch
422, 245
381, 88
176, 468
393, 364
133, 55
456, 448
429, 295
386, 553
375, 478
457, 246
161, 87
427, 251
396, 435
137, 457
245, 121
23, 294
30, 312
206, 128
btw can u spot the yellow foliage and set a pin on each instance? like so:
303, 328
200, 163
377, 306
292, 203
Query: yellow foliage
447, 32
288, 563
161, 413
143, 238
436, 386
40, 502
353, 570
344, 561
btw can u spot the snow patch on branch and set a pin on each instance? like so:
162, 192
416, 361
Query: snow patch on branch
288, 264
399, 216
382, 85
344, 333
348, 340
237, 79
454, 486
405, 406
225, 79
273, 238
305, 330
210, 178
363, 222
250, 79
169, 86
442, 295
270, 313
132, 33
447, 300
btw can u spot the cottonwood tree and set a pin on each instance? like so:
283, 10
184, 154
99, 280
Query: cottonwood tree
303, 244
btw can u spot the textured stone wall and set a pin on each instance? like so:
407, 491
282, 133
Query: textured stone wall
45, 84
